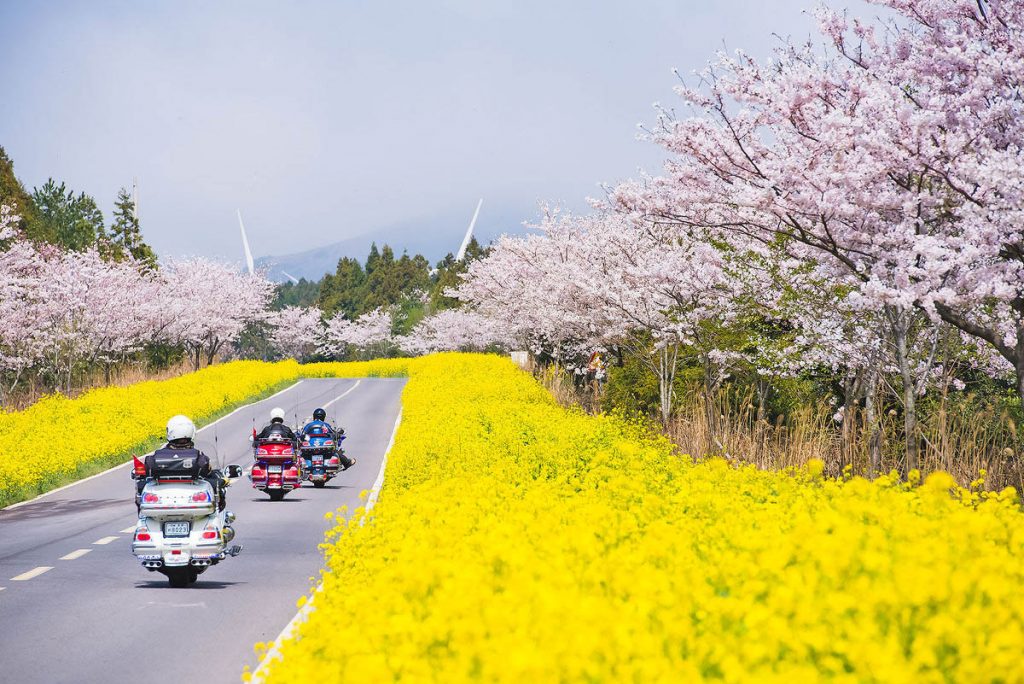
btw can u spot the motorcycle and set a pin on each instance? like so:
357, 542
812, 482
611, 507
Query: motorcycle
319, 454
180, 532
276, 470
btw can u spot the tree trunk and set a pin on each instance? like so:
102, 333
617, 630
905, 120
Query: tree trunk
666, 381
900, 326
873, 426
763, 389
849, 412
710, 409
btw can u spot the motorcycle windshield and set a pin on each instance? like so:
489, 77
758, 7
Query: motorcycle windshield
209, 447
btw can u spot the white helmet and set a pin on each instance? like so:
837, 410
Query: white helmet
180, 427
277, 414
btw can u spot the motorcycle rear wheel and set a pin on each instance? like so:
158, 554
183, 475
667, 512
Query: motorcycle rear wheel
178, 577
276, 494
320, 484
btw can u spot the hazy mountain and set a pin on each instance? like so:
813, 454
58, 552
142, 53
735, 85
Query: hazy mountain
433, 237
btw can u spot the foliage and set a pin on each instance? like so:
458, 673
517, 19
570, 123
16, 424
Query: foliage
13, 194
125, 234
73, 222
515, 540
302, 294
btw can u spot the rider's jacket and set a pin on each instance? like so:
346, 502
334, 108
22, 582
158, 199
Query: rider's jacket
317, 427
279, 429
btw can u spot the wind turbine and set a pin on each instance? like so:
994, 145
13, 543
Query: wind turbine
469, 232
245, 245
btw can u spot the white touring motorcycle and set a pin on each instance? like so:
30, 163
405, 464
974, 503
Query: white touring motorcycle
180, 532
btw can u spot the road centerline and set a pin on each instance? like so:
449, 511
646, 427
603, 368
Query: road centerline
34, 572
105, 540
78, 553
342, 395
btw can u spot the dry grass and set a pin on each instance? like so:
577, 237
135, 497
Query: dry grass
126, 374
962, 444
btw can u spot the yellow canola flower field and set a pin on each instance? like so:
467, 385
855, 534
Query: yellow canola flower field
516, 541
58, 439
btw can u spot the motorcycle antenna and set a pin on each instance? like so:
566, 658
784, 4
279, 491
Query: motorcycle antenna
216, 446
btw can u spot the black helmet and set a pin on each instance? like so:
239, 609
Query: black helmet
319, 414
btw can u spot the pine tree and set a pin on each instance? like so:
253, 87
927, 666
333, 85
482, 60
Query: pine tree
75, 223
125, 234
343, 290
13, 194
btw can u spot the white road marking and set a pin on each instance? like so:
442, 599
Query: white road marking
379, 482
35, 572
75, 554
128, 530
342, 395
121, 465
106, 540
274, 652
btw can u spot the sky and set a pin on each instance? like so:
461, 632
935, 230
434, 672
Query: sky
325, 120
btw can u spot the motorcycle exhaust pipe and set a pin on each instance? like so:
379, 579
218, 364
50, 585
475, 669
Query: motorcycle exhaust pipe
152, 564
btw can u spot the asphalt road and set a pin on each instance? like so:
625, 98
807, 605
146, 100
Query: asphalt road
94, 614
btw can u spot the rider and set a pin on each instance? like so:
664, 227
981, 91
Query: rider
320, 419
277, 428
180, 435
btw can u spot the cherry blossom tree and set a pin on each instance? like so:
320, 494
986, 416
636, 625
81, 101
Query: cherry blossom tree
207, 304
295, 331
21, 271
456, 330
92, 311
891, 162
370, 334
609, 279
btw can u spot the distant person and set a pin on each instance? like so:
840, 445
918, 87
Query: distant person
181, 449
277, 429
320, 426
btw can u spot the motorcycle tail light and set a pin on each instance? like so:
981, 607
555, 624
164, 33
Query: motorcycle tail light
150, 497
209, 534
142, 535
201, 496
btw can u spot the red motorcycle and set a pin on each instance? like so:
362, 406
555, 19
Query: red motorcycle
276, 470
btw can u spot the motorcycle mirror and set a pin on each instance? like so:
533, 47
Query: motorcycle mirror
234, 471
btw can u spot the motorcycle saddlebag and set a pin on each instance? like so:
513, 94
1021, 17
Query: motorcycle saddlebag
176, 463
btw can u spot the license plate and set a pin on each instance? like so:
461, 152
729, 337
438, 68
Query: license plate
274, 469
318, 461
176, 529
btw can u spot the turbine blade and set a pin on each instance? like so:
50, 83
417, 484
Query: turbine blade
245, 245
469, 232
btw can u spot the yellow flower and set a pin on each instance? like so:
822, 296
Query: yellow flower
549, 545
815, 467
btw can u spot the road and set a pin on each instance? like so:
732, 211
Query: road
76, 606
